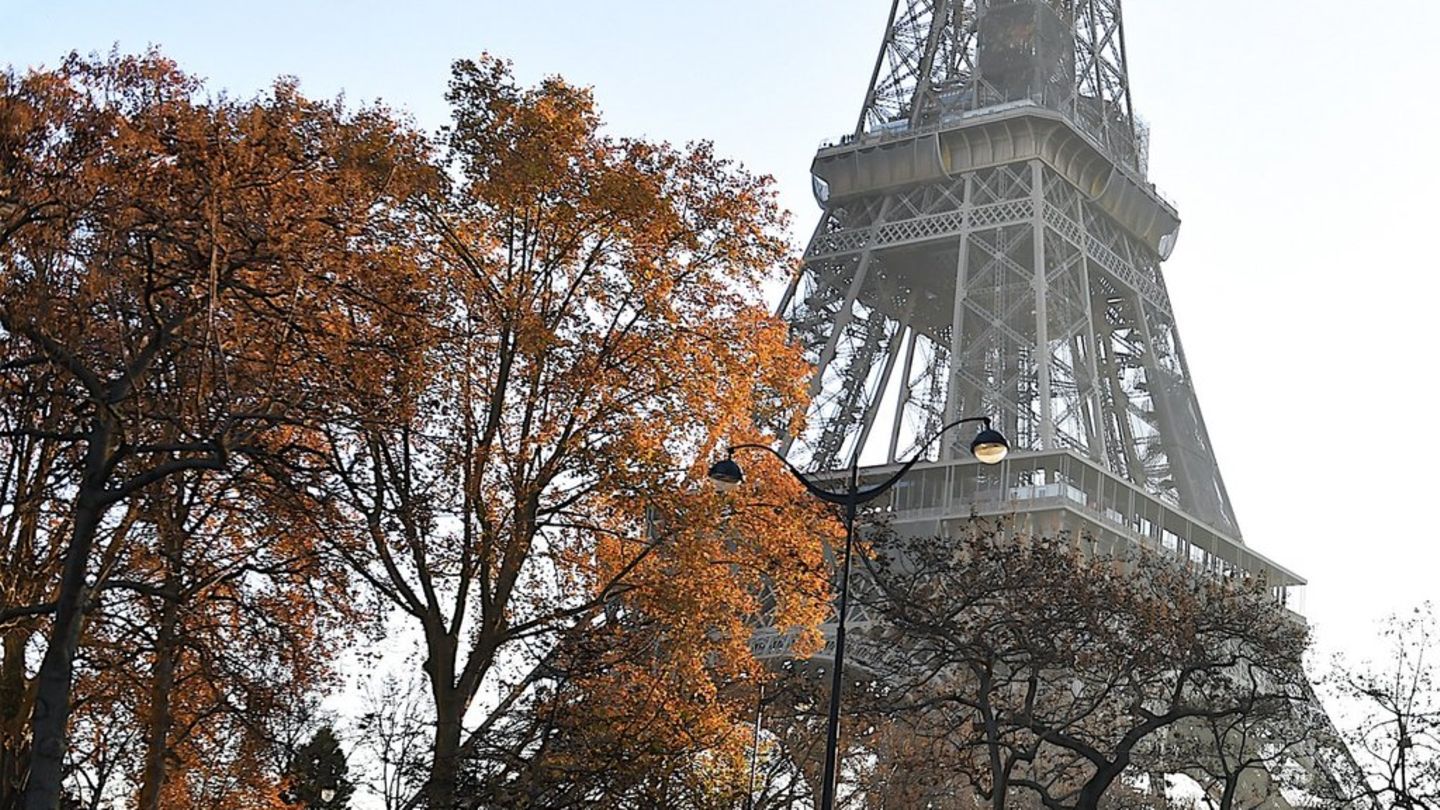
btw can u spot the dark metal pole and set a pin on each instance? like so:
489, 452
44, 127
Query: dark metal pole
755, 748
851, 499
837, 680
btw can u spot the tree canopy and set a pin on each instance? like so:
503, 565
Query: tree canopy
1034, 670
275, 369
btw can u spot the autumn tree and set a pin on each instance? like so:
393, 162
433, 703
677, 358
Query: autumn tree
201, 651
880, 764
185, 281
34, 470
532, 498
215, 626
1042, 671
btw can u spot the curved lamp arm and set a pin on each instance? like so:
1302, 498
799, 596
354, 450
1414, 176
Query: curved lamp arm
810, 486
857, 497
867, 495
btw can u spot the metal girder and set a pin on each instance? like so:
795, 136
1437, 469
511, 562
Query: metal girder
928, 52
946, 225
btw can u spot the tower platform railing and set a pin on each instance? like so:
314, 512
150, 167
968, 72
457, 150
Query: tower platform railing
1061, 491
1049, 493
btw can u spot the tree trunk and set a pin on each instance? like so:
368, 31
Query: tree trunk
445, 769
12, 711
1095, 789
440, 788
157, 735
51, 715
1227, 796
14, 694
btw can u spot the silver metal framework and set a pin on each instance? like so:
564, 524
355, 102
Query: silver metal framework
990, 245
1001, 259
930, 69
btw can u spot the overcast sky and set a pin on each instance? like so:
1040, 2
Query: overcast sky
1298, 138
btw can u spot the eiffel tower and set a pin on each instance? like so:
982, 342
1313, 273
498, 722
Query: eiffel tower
991, 245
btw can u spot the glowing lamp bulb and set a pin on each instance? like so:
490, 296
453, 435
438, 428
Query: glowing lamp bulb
990, 446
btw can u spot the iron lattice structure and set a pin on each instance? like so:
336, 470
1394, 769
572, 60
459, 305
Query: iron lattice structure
990, 245
930, 67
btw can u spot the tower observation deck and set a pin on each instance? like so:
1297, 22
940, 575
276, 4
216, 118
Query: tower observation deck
990, 244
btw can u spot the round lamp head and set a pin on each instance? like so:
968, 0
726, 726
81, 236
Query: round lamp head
725, 475
327, 795
990, 446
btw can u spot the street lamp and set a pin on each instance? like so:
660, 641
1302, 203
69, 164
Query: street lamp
989, 447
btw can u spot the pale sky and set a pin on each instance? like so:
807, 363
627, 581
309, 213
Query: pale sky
1292, 134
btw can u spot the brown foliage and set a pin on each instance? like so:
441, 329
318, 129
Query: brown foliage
250, 348
185, 282
533, 501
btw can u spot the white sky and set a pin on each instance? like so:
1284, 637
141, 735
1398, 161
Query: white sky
1292, 134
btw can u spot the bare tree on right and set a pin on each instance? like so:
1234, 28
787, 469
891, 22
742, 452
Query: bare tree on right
1391, 723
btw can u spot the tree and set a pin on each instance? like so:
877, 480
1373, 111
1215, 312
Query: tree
532, 497
1248, 760
189, 279
318, 770
1393, 713
1037, 669
217, 625
881, 764
391, 734
34, 470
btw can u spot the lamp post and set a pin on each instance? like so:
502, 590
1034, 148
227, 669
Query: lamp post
755, 749
989, 447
